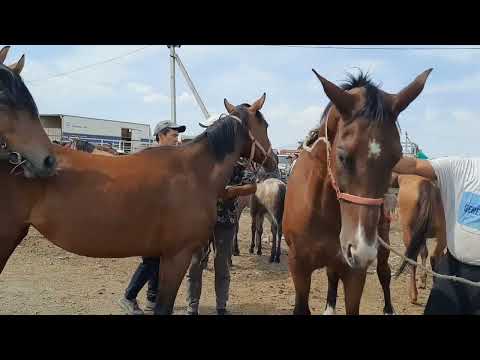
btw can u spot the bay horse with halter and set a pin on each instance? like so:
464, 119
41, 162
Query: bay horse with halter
335, 192
421, 217
174, 189
22, 137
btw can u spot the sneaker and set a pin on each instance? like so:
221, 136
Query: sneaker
149, 308
130, 306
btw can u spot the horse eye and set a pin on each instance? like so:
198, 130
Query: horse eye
345, 159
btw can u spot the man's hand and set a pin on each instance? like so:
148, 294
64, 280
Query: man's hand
412, 166
234, 191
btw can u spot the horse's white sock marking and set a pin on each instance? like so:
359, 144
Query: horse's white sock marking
330, 310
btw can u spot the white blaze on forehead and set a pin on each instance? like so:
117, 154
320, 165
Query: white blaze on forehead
374, 149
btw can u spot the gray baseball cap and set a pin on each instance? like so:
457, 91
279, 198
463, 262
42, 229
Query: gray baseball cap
168, 124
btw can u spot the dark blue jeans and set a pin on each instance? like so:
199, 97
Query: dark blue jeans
452, 298
147, 271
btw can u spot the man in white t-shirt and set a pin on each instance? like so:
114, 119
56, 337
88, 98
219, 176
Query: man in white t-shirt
459, 183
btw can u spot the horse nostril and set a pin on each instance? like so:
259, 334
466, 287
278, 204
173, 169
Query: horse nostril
49, 162
349, 251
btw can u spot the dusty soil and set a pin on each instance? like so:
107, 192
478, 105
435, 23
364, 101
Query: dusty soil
41, 278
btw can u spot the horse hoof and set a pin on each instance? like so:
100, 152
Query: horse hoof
236, 253
251, 251
277, 260
259, 253
270, 260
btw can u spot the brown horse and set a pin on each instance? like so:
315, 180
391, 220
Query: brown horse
335, 192
174, 191
383, 270
421, 217
22, 137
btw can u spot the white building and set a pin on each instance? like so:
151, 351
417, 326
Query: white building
125, 137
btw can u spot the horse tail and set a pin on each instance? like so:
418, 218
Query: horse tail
424, 218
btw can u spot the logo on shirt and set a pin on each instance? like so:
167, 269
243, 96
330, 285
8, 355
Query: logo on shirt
469, 211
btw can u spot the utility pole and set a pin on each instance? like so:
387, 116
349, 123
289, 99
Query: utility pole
192, 87
173, 105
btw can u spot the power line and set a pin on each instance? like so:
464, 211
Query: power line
85, 67
377, 47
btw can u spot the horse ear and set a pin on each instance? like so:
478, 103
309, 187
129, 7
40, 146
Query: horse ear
230, 108
342, 100
18, 66
3, 54
257, 105
410, 93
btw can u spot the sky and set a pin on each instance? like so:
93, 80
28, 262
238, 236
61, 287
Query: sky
444, 120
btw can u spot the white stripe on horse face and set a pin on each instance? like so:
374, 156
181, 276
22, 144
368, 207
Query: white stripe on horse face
374, 149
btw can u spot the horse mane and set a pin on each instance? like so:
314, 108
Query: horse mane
14, 92
221, 136
374, 109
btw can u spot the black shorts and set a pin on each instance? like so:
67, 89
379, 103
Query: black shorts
450, 297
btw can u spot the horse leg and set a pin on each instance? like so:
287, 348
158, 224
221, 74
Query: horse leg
384, 272
330, 307
413, 293
9, 242
353, 283
236, 250
302, 278
278, 253
259, 234
254, 233
274, 242
423, 277
172, 271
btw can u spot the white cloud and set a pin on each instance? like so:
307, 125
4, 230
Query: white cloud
140, 87
469, 83
453, 55
155, 98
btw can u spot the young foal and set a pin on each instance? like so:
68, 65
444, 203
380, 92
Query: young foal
174, 191
335, 192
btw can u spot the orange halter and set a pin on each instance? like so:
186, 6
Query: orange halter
354, 199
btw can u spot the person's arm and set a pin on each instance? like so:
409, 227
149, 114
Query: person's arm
234, 191
413, 166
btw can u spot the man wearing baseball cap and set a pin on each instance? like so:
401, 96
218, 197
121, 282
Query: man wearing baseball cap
166, 133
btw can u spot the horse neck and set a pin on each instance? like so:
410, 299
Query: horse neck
215, 173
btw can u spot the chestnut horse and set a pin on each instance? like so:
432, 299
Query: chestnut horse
421, 217
173, 191
336, 189
22, 137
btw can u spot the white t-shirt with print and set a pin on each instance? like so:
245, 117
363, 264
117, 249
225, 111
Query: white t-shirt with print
459, 183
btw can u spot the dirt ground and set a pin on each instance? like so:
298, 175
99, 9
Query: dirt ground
41, 278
